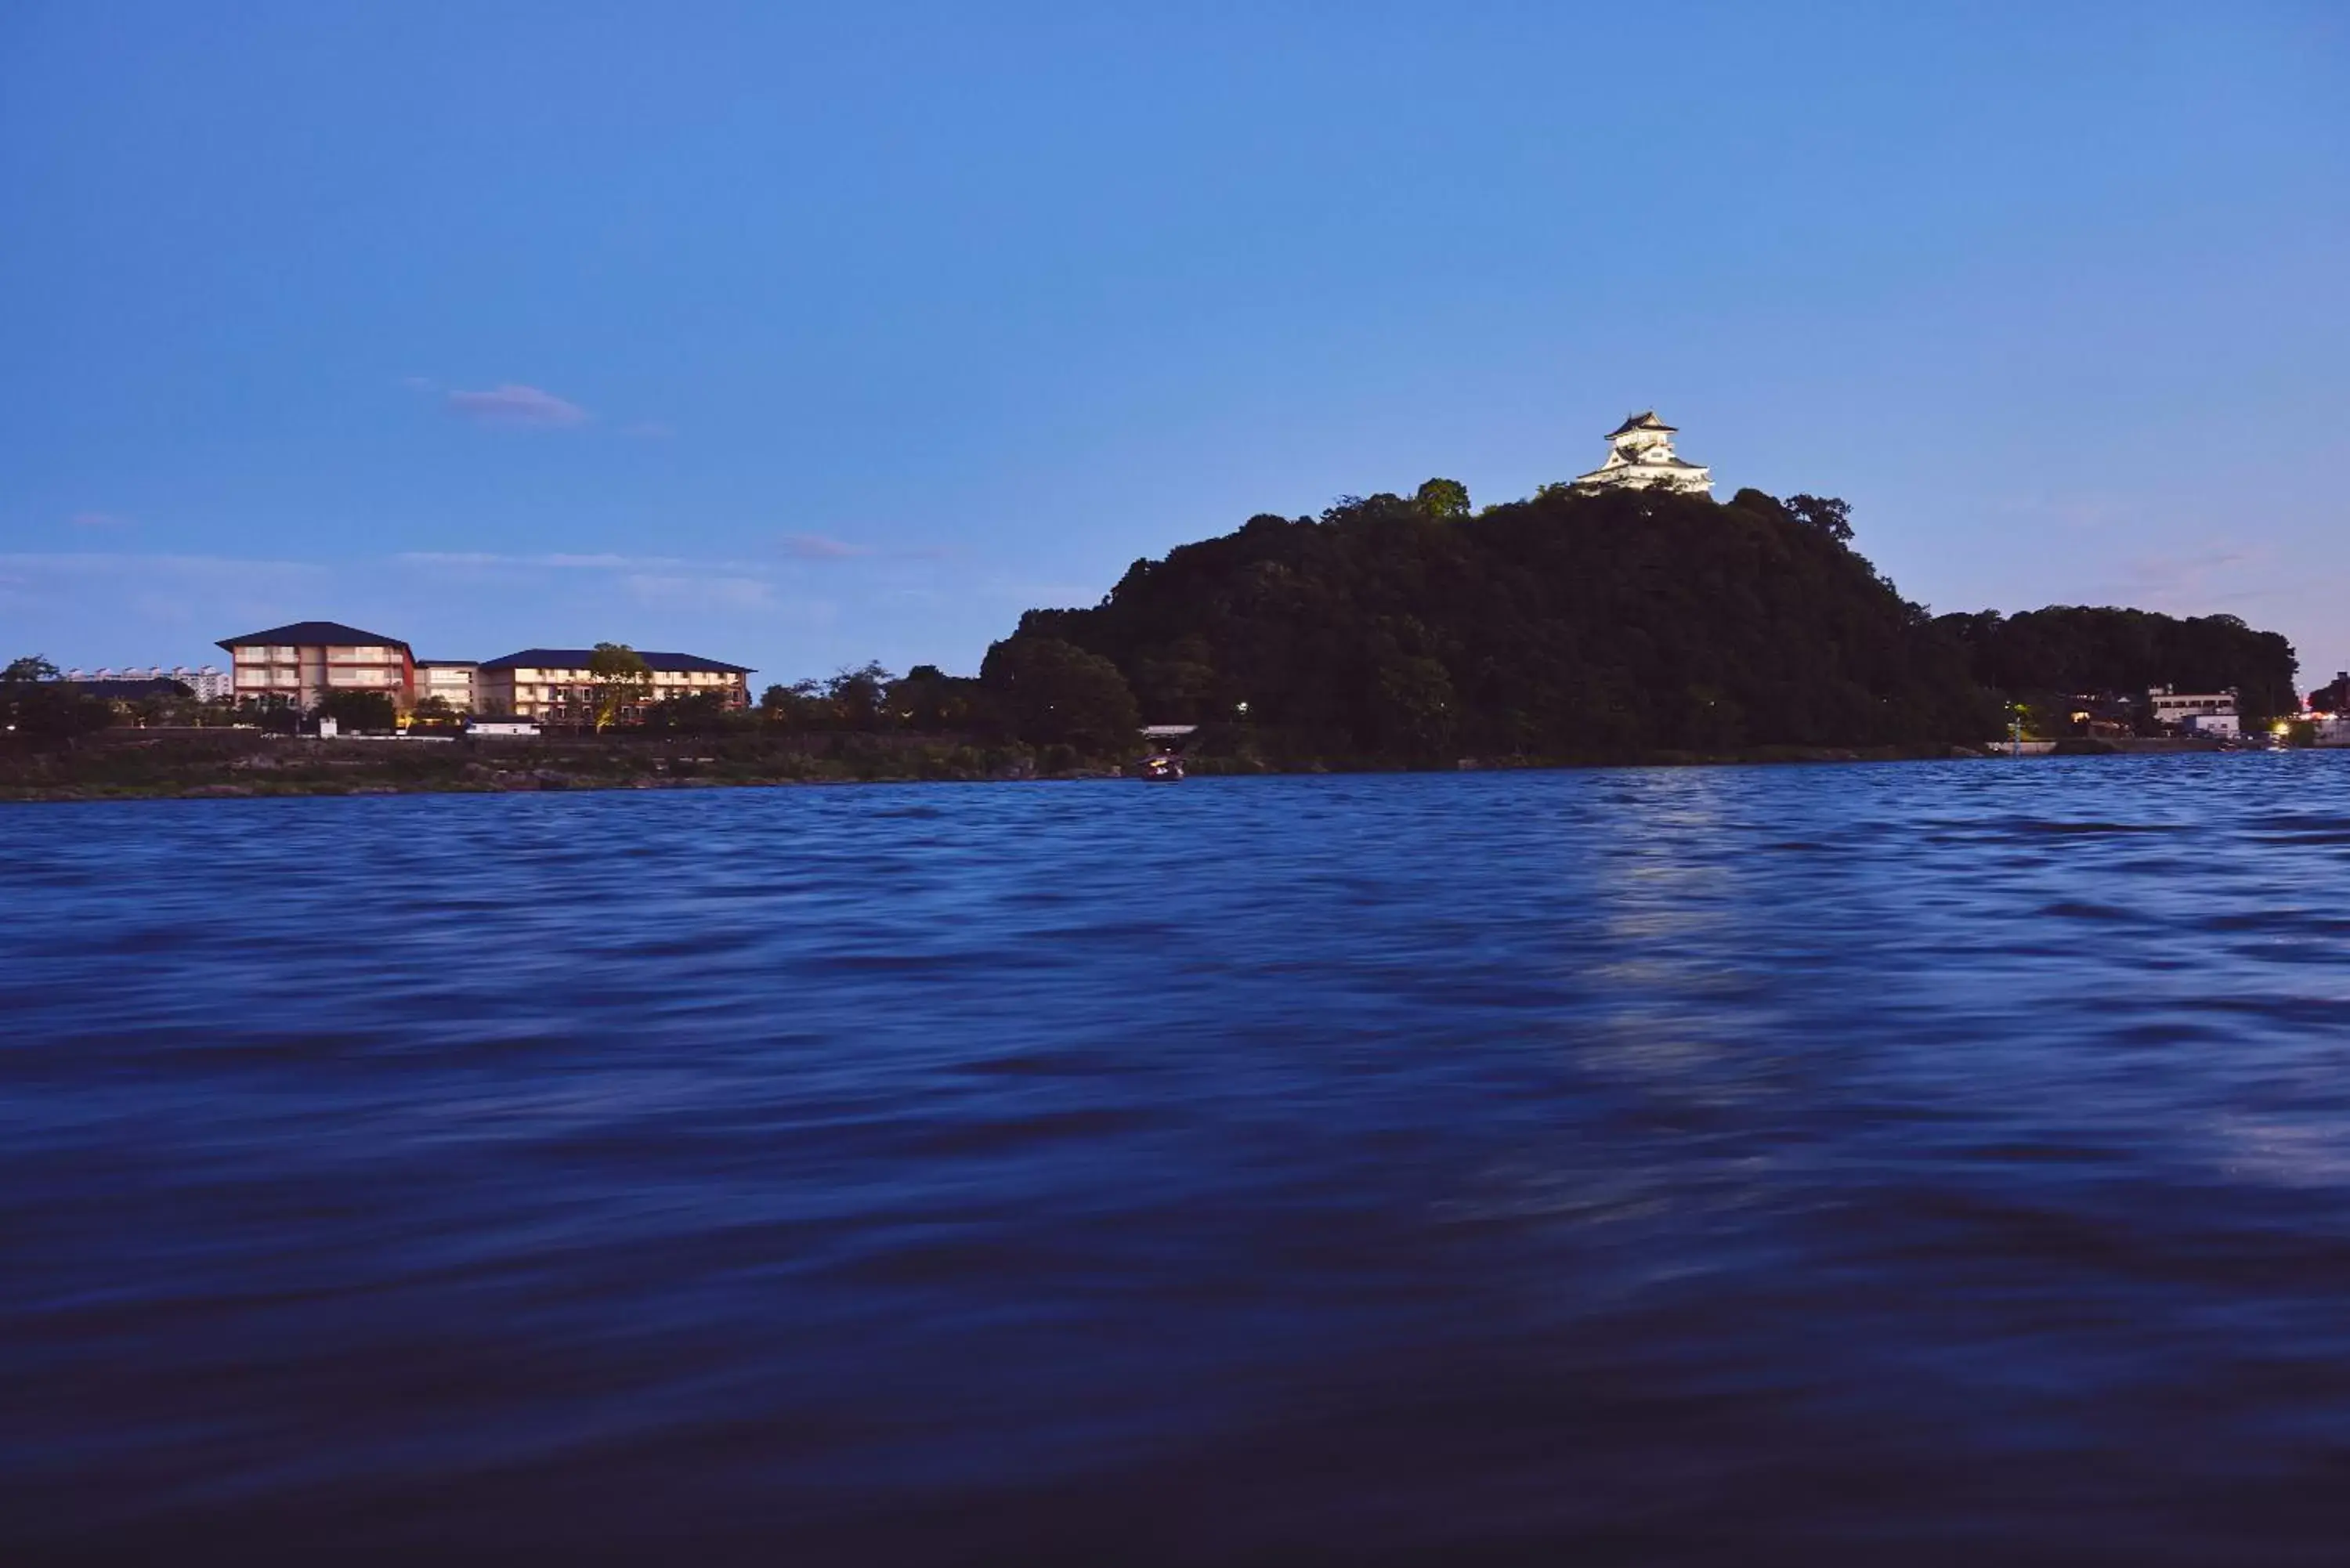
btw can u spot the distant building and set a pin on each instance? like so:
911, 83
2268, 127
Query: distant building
553, 684
450, 679
1640, 457
204, 684
302, 662
121, 688
299, 664
2213, 725
501, 724
2198, 711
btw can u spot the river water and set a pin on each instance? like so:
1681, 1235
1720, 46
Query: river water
1906, 1163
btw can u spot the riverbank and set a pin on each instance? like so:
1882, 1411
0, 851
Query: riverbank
147, 763
142, 763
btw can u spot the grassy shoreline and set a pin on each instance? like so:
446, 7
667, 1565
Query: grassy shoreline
131, 765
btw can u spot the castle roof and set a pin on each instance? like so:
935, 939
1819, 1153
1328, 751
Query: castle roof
1645, 421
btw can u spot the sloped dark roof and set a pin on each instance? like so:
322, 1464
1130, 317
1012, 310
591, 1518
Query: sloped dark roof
578, 658
312, 633
1645, 421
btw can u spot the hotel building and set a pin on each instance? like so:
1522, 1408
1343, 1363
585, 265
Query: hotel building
450, 679
2197, 712
553, 684
299, 664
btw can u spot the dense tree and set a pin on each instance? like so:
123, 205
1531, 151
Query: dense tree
39, 710
868, 699
929, 701
1826, 514
2065, 650
1051, 693
1443, 498
622, 680
692, 713
1413, 706
358, 710
857, 697
799, 706
277, 715
1566, 625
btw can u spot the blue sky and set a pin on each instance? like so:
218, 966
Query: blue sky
801, 336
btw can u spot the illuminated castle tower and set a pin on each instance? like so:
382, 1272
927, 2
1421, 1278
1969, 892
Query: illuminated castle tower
1640, 457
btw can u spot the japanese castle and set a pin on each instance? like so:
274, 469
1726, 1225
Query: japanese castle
1640, 457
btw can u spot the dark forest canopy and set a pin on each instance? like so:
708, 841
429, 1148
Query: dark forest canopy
2076, 650
1565, 626
1601, 624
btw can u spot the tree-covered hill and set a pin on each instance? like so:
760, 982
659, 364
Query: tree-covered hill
1561, 626
2072, 650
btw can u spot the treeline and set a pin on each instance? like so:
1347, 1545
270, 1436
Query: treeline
1044, 693
1047, 695
2069, 650
1561, 627
37, 709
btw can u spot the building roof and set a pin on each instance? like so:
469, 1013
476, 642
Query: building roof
1645, 421
311, 634
447, 664
578, 658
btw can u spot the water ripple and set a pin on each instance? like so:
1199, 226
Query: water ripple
1928, 1163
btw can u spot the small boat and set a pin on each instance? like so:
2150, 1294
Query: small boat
1164, 763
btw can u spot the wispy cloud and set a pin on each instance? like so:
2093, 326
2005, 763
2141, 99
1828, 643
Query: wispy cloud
817, 547
455, 558
117, 564
215, 593
2088, 510
517, 406
654, 582
606, 563
2191, 583
1024, 592
678, 591
98, 520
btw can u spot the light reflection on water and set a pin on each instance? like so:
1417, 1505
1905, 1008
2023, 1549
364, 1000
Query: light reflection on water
1936, 1162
